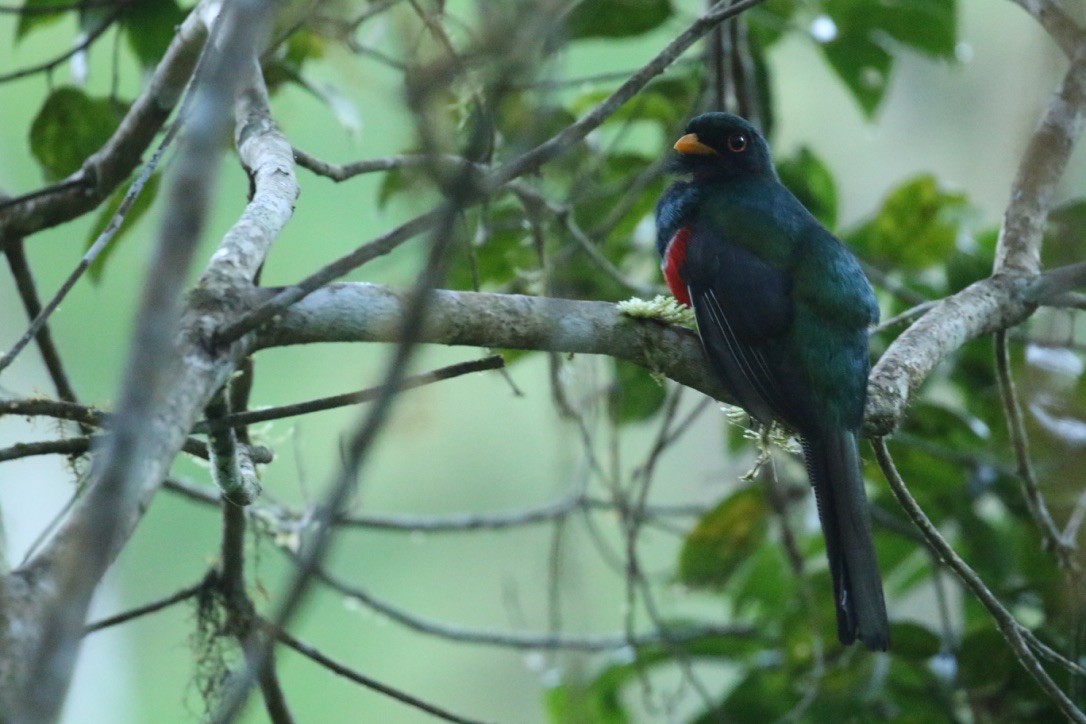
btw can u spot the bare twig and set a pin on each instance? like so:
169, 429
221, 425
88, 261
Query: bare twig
1063, 550
524, 641
250, 417
183, 595
339, 669
79, 47
24, 282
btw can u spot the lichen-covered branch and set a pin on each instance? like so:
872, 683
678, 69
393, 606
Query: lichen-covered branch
357, 312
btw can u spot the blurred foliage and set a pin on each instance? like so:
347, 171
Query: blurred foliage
70, 127
923, 241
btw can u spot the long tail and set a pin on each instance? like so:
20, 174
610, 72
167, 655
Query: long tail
833, 464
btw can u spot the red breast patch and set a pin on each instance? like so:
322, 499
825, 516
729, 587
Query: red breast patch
674, 256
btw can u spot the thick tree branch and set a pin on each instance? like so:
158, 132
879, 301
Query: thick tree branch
1042, 166
1005, 299
166, 383
1067, 34
355, 312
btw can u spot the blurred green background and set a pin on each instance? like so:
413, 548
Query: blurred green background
465, 445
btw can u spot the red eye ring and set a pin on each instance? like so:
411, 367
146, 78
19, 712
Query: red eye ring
737, 142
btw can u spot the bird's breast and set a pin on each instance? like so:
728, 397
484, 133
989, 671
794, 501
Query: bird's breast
674, 258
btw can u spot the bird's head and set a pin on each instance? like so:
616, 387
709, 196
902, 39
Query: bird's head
718, 145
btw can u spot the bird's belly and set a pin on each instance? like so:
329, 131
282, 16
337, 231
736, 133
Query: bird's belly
674, 257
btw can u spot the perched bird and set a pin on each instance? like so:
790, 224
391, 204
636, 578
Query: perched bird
783, 311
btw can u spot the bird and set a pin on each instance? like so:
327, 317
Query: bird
783, 310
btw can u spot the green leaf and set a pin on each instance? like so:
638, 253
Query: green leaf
808, 178
913, 642
863, 65
573, 704
764, 695
915, 228
30, 21
149, 26
69, 128
723, 539
928, 26
138, 209
985, 660
634, 395
965, 266
769, 20
616, 18
1065, 234
860, 52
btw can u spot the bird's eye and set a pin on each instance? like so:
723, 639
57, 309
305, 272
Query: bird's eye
737, 142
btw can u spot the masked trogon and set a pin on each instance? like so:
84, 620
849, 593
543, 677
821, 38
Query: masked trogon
783, 311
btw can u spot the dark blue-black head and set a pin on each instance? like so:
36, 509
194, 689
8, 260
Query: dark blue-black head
722, 145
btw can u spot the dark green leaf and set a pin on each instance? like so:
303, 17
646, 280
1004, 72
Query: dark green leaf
965, 266
616, 18
69, 128
915, 228
769, 20
723, 539
929, 26
766, 694
912, 641
138, 209
863, 65
985, 659
808, 178
149, 26
574, 704
30, 21
859, 52
1066, 234
634, 395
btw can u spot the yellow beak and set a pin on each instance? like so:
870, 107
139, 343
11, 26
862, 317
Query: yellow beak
689, 144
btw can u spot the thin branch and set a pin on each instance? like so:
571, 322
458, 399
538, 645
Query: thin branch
250, 417
155, 606
339, 669
1013, 632
525, 641
79, 47
93, 416
72, 447
24, 282
1053, 284
1063, 550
